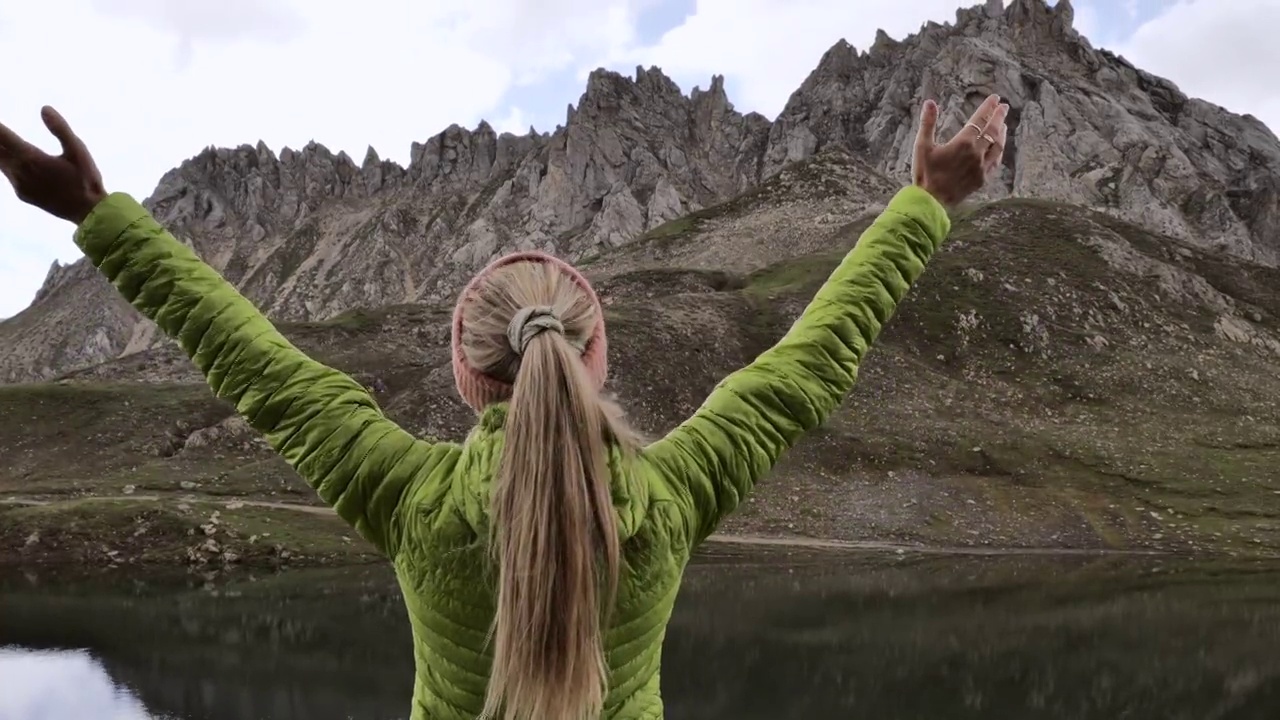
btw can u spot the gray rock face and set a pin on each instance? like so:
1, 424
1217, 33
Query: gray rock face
1087, 127
308, 234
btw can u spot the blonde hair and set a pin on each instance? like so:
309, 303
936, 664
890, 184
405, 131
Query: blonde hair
553, 530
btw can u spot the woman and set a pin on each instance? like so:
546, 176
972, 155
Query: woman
540, 558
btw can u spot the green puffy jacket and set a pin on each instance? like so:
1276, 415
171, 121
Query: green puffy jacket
424, 502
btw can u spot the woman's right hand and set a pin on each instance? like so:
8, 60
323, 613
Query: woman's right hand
68, 186
955, 170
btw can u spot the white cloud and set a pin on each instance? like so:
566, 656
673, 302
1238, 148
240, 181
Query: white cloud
1087, 23
231, 20
272, 20
768, 47
1224, 52
535, 38
514, 122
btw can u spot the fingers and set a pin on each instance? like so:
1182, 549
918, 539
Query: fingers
994, 154
987, 138
983, 114
925, 137
980, 118
988, 146
12, 145
72, 147
996, 119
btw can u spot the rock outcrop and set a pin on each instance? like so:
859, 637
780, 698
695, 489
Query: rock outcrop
1086, 126
309, 234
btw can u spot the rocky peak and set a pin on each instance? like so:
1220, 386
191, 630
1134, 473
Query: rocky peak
54, 279
1037, 15
883, 43
840, 61
1140, 148
1022, 16
309, 233
715, 92
610, 93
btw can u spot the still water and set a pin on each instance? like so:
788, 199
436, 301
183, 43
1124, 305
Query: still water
756, 635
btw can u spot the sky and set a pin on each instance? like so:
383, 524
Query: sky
150, 83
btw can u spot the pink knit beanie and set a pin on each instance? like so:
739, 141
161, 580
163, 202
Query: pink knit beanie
478, 389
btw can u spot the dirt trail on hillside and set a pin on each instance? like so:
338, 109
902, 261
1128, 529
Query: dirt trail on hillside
297, 507
719, 538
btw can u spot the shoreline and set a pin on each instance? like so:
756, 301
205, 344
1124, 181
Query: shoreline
214, 533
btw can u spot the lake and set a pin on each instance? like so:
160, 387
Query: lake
758, 634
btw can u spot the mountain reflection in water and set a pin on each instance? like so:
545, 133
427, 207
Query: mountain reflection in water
757, 635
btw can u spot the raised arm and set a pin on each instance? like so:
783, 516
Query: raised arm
714, 459
324, 423
754, 415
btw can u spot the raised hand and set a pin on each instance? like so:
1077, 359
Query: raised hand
955, 170
68, 186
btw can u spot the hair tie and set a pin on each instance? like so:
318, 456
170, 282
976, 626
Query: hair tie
530, 322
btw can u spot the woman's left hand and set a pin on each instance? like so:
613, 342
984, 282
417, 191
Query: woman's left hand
68, 186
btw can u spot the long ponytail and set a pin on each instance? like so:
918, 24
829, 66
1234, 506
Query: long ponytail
554, 533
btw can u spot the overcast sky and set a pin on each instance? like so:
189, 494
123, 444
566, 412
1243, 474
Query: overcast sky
149, 83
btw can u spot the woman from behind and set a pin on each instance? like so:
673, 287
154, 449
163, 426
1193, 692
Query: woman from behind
527, 323
541, 557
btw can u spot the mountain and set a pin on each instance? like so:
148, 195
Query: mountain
1092, 361
309, 234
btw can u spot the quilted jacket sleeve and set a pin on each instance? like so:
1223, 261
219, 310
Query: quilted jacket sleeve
713, 459
320, 420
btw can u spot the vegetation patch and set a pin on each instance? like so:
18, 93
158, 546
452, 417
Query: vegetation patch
200, 534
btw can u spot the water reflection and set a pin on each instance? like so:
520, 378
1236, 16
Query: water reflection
53, 685
755, 636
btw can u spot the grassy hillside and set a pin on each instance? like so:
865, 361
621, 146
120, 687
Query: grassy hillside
1057, 378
